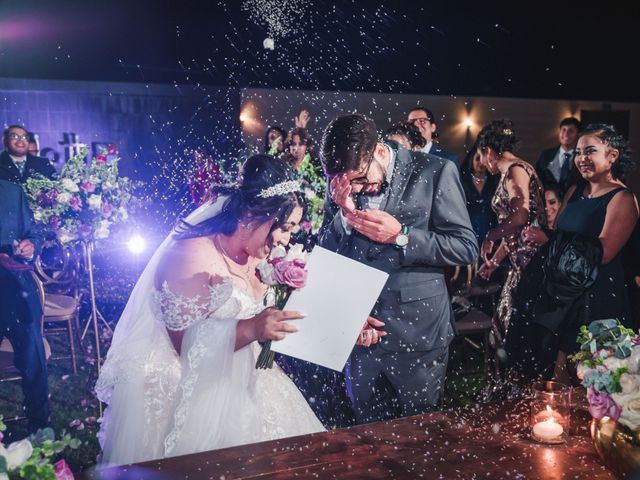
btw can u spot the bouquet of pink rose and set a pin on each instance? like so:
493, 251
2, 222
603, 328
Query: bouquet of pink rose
284, 272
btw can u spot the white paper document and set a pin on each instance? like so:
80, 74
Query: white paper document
338, 297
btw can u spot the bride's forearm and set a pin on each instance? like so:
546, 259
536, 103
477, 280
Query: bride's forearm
245, 333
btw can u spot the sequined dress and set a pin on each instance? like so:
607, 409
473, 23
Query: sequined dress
518, 251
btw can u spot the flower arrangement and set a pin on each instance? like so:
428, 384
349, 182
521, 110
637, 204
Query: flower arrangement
609, 366
316, 184
84, 202
32, 457
284, 272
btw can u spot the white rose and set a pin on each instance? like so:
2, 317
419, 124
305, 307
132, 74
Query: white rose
630, 415
296, 252
266, 272
582, 370
633, 361
123, 213
63, 198
95, 202
107, 186
103, 229
310, 194
613, 363
64, 236
95, 180
37, 215
69, 185
17, 453
629, 383
278, 252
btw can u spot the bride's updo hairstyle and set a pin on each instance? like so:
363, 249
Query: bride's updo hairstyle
247, 200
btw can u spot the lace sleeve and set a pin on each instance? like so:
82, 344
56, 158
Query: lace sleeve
179, 312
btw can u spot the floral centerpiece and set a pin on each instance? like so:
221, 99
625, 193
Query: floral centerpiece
32, 457
315, 190
609, 366
84, 202
284, 272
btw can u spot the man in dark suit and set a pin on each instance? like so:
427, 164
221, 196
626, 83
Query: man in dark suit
20, 307
555, 166
425, 121
16, 163
404, 213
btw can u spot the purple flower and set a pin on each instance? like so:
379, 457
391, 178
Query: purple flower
75, 203
292, 274
47, 198
84, 230
54, 221
602, 405
63, 472
87, 186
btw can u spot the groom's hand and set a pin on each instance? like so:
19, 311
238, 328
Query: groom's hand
369, 335
376, 225
8, 263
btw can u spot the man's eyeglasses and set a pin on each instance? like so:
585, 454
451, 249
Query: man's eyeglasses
363, 180
420, 121
15, 137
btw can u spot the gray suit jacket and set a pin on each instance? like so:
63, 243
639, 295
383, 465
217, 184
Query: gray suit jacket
426, 196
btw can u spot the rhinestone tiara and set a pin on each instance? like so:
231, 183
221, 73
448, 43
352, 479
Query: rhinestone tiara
281, 188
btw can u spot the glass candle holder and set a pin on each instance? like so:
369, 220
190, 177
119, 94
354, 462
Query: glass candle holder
550, 412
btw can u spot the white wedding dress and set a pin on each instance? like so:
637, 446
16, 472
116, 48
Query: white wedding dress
161, 404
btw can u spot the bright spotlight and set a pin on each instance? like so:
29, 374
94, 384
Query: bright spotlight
136, 244
468, 122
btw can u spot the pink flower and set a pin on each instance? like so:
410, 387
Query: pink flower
107, 210
290, 273
87, 186
112, 149
101, 158
75, 203
602, 405
47, 198
54, 221
63, 472
305, 226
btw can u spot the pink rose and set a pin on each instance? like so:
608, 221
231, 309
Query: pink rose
305, 226
87, 186
290, 273
107, 210
84, 230
101, 158
63, 472
75, 203
602, 405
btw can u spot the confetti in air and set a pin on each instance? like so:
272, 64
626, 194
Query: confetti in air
280, 17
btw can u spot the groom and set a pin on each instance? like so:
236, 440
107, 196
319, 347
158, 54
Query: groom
404, 213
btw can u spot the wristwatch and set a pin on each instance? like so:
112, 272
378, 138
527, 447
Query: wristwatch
402, 239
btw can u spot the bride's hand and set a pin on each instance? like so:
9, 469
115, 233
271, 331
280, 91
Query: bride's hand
270, 324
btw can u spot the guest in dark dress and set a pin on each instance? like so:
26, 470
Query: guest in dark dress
602, 207
479, 187
552, 204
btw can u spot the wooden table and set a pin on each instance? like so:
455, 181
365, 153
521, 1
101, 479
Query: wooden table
473, 443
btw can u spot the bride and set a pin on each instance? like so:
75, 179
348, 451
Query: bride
180, 375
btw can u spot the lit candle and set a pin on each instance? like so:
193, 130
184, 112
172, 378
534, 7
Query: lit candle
547, 430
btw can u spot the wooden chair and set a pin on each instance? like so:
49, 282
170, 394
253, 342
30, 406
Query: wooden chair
57, 280
469, 320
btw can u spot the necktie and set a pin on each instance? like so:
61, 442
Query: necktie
567, 156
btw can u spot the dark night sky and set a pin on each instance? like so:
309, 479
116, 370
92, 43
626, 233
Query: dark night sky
404, 47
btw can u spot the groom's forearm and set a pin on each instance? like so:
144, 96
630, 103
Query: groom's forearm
244, 333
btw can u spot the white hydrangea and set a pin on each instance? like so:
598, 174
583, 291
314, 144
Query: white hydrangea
103, 229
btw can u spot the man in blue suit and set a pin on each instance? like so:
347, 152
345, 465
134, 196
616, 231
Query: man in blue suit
425, 121
16, 163
20, 307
